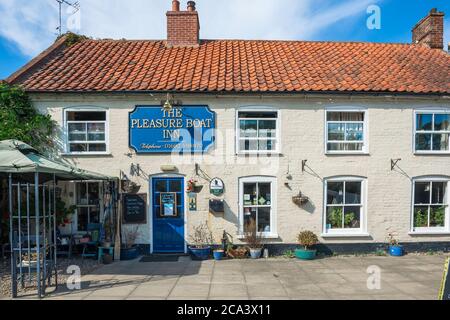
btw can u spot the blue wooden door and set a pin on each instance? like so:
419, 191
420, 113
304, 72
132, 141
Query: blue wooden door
168, 215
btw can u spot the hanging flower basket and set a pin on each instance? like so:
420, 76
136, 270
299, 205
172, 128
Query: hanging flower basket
300, 200
130, 187
193, 186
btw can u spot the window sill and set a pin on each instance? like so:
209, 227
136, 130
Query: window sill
347, 153
431, 153
268, 236
90, 154
429, 233
345, 235
267, 154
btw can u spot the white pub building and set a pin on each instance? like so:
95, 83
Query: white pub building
348, 140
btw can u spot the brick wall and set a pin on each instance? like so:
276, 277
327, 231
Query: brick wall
183, 29
430, 30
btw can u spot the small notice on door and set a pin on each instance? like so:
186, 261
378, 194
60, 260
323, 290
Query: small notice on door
168, 204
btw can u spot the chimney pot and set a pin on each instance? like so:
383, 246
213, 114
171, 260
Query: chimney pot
183, 27
175, 5
191, 6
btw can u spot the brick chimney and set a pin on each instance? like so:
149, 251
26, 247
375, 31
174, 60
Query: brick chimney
183, 27
430, 30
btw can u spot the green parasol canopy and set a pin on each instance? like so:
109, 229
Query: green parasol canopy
19, 158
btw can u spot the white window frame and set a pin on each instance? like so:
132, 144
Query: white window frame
273, 204
362, 230
415, 132
365, 149
238, 130
431, 230
66, 129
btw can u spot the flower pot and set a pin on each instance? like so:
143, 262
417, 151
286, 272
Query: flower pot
396, 251
129, 253
218, 254
106, 244
200, 253
107, 259
303, 254
255, 253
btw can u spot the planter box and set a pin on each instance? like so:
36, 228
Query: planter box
200, 253
305, 254
129, 253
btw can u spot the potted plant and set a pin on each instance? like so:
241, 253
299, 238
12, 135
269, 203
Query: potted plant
395, 249
253, 239
201, 241
193, 186
63, 213
218, 254
307, 239
129, 250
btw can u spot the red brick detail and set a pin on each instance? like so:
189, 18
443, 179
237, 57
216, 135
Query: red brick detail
430, 30
183, 29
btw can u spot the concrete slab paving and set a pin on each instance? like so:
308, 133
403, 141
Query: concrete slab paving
343, 278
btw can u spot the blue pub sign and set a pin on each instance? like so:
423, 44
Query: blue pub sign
183, 129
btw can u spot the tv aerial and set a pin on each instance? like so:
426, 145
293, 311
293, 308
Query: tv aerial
74, 5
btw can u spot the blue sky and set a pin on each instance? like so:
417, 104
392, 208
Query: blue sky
28, 27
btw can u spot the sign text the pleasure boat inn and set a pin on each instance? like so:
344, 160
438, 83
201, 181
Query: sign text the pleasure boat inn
184, 129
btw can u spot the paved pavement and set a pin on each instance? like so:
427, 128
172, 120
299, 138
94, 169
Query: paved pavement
409, 277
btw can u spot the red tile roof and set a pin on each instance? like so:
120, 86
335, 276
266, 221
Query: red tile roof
237, 66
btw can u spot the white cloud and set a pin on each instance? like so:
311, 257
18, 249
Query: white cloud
31, 25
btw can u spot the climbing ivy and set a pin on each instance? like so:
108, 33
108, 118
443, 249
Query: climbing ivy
21, 121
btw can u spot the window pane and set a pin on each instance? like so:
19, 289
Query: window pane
263, 219
267, 145
439, 193
352, 217
442, 122
249, 214
422, 193
249, 128
96, 131
175, 186
353, 192
335, 192
249, 145
94, 215
267, 128
77, 132
86, 116
345, 146
82, 218
424, 122
336, 131
345, 116
334, 218
423, 142
250, 194
437, 216
82, 193
94, 193
420, 217
440, 142
264, 194
78, 147
161, 186
97, 147
355, 132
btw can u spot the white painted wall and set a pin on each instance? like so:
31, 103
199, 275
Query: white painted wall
303, 123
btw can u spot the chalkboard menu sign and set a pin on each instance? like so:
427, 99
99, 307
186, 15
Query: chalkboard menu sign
444, 293
135, 208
